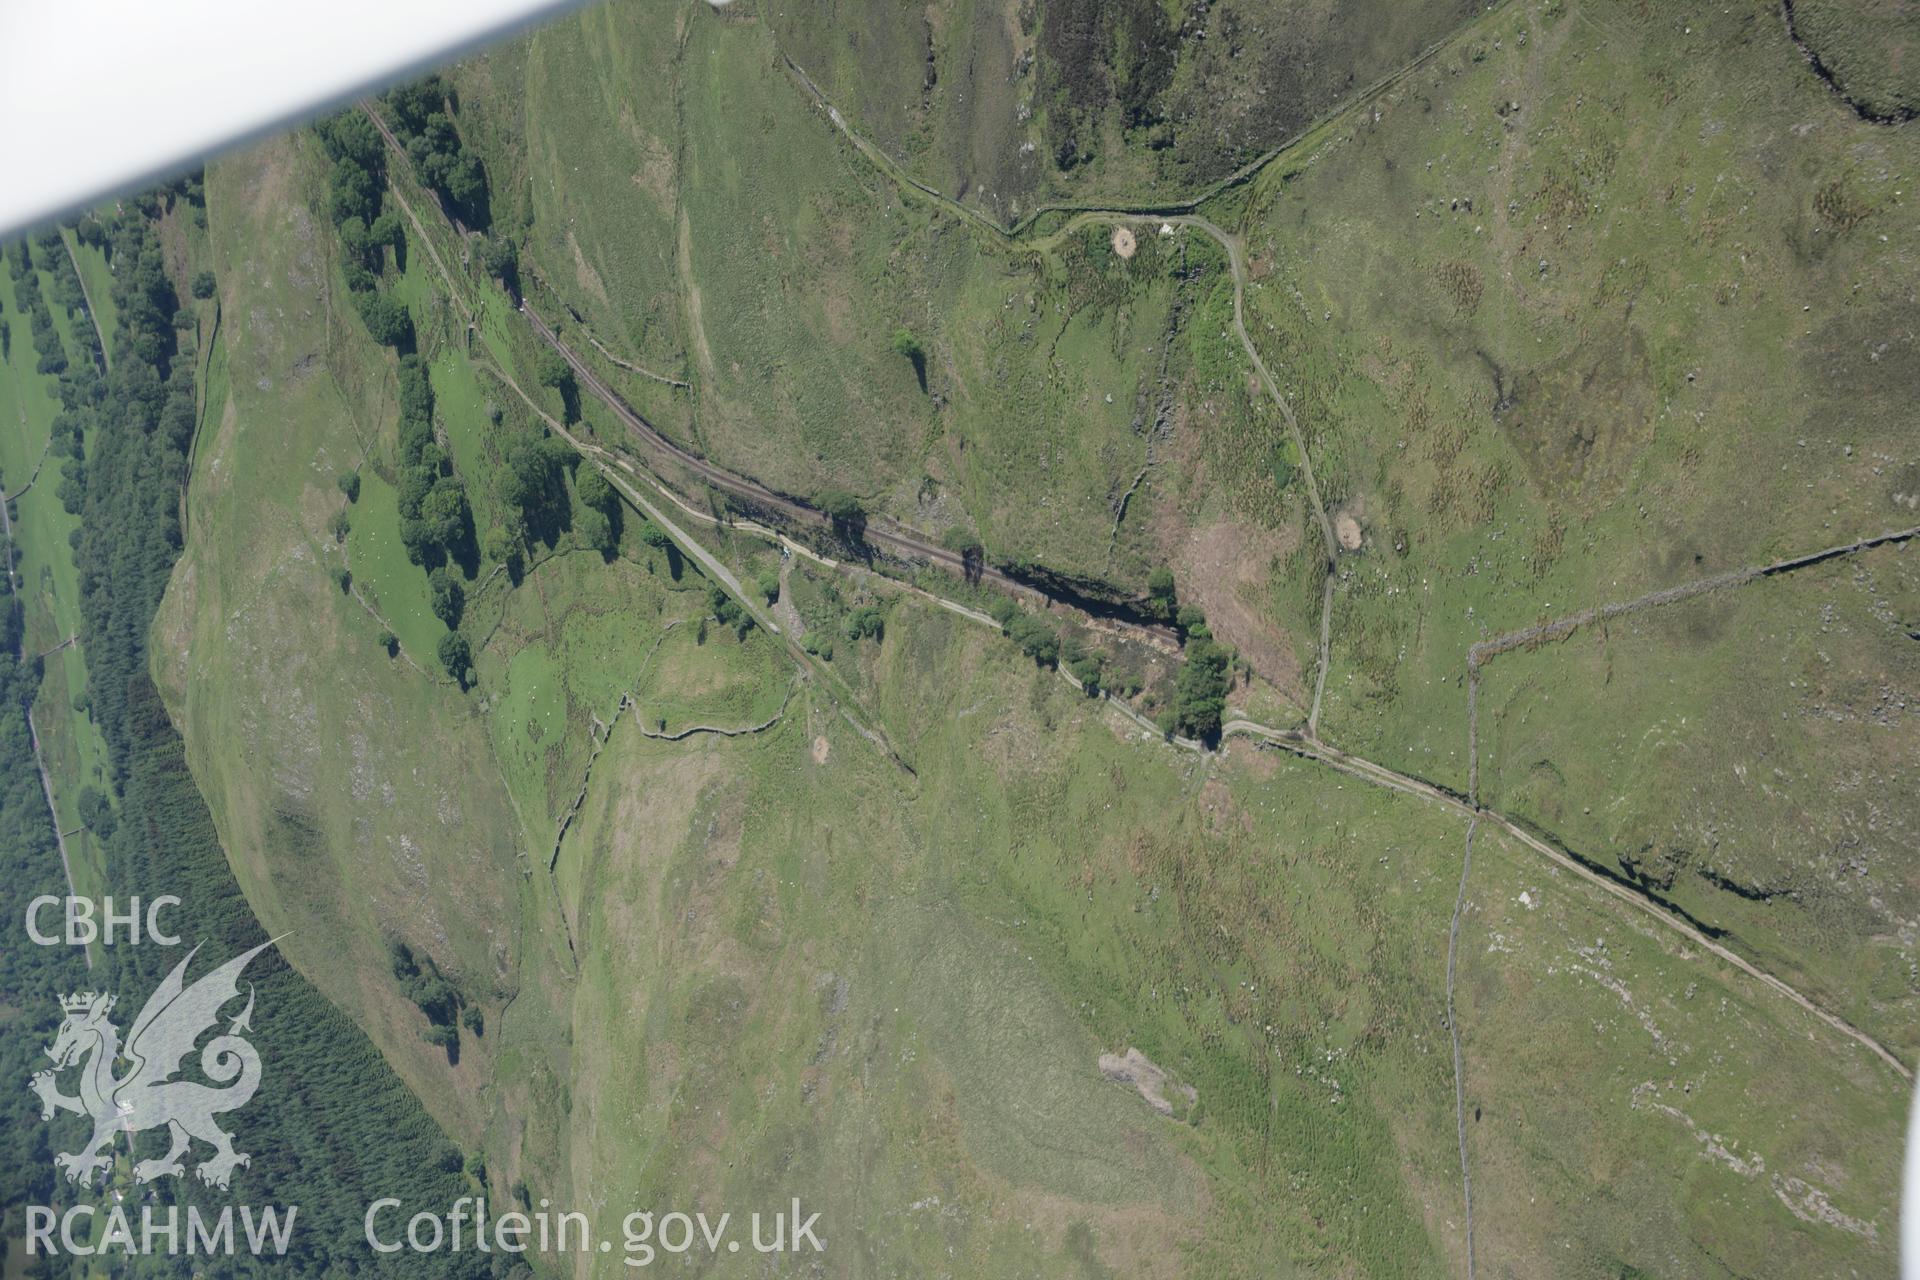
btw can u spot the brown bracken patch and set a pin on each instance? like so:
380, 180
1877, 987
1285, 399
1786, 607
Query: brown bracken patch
1228, 569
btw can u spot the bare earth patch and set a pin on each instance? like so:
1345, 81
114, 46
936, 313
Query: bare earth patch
821, 749
696, 324
783, 610
1123, 242
1138, 1070
583, 271
1347, 530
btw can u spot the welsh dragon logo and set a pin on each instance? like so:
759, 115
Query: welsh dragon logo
147, 1096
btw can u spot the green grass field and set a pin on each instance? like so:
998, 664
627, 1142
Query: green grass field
71, 745
577, 635
1713, 1132
390, 583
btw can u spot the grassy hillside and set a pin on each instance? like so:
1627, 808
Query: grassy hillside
1042, 408
1750, 759
876, 911
1631, 1110
776, 964
429, 854
1010, 106
1572, 314
787, 969
1581, 310
1864, 49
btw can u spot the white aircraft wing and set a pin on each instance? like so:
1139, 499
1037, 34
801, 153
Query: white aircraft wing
103, 96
